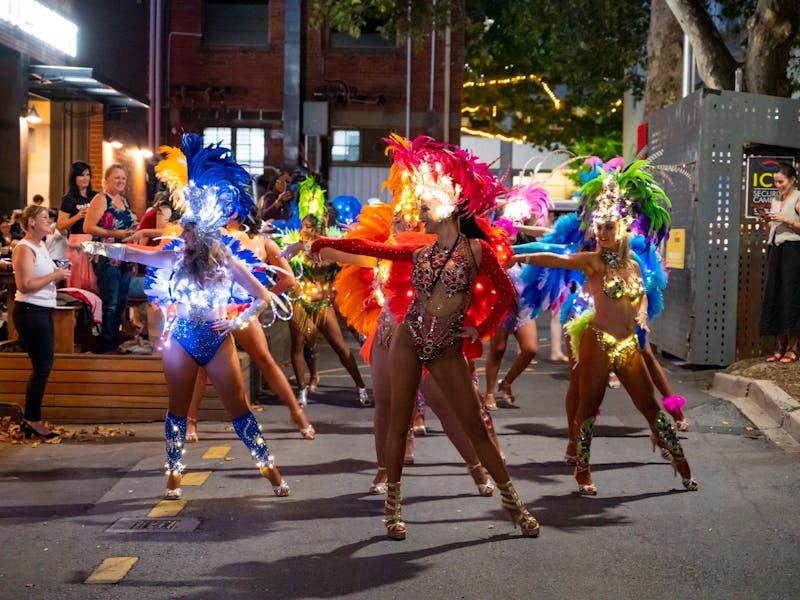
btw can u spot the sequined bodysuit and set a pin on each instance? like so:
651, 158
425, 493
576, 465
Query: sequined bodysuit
455, 269
198, 308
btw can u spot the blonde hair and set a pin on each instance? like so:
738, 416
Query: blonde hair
31, 212
111, 168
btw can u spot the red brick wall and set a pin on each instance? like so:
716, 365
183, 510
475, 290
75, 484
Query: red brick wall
253, 79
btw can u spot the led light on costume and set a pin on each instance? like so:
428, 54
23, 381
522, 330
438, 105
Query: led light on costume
436, 190
175, 435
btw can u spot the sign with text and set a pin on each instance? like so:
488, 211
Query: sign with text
676, 249
760, 187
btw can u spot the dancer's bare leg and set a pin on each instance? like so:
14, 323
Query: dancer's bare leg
455, 432
253, 341
225, 373
571, 405
528, 343
634, 377
297, 336
329, 327
451, 372
194, 408
592, 373
494, 357
656, 371
380, 367
403, 359
180, 371
556, 334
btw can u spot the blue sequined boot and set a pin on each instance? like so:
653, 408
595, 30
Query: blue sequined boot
175, 435
249, 431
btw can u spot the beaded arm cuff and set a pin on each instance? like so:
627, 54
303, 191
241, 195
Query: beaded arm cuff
242, 320
113, 251
365, 248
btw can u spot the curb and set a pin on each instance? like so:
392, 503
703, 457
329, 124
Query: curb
770, 408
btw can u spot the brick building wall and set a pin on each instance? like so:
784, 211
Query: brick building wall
242, 87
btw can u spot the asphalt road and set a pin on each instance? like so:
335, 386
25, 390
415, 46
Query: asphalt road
641, 537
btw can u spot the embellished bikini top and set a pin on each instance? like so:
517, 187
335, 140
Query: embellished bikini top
453, 266
615, 286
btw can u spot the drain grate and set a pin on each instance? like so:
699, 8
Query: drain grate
165, 525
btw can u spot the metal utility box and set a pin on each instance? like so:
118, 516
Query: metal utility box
717, 251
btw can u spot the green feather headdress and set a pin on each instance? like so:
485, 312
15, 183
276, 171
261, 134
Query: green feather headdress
631, 196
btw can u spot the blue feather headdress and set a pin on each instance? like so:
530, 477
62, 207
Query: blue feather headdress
217, 187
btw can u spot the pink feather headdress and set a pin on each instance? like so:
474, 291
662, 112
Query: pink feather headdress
446, 177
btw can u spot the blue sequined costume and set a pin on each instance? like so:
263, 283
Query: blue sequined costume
197, 338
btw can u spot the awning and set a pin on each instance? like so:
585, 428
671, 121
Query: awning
69, 84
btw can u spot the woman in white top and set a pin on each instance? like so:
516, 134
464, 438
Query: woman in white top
780, 311
36, 274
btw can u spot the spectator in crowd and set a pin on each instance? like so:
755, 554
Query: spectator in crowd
38, 200
110, 219
35, 275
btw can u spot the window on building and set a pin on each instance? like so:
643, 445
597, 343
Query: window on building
241, 23
346, 145
250, 150
370, 37
247, 144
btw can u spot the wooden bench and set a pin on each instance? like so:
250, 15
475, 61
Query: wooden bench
91, 388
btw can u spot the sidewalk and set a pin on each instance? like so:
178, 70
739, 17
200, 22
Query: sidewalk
761, 392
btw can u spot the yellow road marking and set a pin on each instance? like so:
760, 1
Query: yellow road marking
167, 508
195, 478
111, 570
217, 452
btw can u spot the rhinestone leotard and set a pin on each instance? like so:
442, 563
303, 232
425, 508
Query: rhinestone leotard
455, 269
457, 278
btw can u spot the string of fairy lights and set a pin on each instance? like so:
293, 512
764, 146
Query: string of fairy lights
517, 79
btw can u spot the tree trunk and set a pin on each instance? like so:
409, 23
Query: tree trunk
715, 64
771, 31
664, 55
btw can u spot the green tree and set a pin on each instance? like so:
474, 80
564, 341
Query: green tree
588, 52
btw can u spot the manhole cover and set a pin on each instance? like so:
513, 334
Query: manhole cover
160, 524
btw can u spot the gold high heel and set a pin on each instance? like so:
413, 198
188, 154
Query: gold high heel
516, 510
584, 489
395, 526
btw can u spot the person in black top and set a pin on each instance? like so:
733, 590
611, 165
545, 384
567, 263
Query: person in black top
76, 202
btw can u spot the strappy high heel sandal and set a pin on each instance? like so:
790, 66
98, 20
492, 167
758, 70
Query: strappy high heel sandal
173, 487
408, 456
395, 525
279, 486
484, 489
378, 486
505, 389
489, 401
308, 432
586, 488
516, 510
192, 437
677, 461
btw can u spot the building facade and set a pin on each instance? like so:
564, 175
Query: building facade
259, 77
76, 75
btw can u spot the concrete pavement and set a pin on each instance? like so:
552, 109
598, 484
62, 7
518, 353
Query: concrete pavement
642, 536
